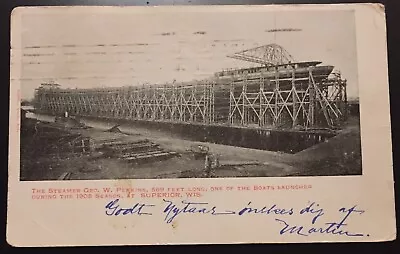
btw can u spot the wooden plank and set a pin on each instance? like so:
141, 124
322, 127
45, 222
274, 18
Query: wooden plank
117, 143
65, 176
140, 154
133, 146
163, 155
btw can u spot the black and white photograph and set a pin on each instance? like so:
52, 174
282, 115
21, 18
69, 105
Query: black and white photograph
188, 93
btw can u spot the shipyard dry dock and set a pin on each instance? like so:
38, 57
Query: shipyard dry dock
281, 118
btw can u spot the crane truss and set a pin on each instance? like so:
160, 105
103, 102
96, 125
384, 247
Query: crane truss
267, 55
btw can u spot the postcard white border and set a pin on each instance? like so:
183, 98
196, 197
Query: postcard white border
78, 223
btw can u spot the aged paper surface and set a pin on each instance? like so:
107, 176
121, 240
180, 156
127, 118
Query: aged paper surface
201, 124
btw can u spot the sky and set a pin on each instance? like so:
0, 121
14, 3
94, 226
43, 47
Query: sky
113, 47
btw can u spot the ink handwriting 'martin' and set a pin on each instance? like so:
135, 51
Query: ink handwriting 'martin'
333, 228
171, 210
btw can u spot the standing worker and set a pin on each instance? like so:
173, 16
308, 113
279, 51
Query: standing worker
216, 161
207, 164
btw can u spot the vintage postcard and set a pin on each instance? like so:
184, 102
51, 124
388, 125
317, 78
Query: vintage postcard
199, 125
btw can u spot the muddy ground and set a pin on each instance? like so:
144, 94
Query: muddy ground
42, 160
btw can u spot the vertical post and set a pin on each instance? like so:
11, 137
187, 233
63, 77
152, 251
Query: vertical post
176, 102
213, 102
157, 98
116, 104
205, 104
184, 103
294, 98
261, 94
311, 112
192, 106
164, 102
154, 102
210, 94
128, 104
134, 103
276, 95
344, 99
244, 97
148, 102
139, 103
142, 95
83, 145
231, 109
180, 101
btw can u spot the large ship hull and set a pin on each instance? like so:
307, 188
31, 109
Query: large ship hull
318, 72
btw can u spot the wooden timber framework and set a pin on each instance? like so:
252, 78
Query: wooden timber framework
294, 102
305, 101
183, 103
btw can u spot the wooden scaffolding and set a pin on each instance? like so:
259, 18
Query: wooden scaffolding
294, 102
179, 103
279, 94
